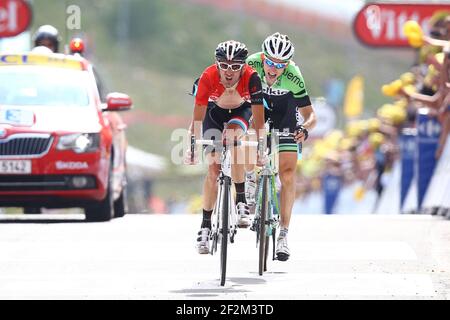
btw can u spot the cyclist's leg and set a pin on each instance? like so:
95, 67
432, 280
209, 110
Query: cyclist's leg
287, 166
250, 152
235, 132
250, 164
236, 128
211, 130
287, 153
288, 163
210, 183
209, 200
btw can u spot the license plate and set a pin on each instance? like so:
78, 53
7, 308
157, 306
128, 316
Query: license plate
15, 166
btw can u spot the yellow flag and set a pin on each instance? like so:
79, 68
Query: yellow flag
354, 97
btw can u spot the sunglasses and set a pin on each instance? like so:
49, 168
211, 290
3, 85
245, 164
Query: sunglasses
233, 66
278, 65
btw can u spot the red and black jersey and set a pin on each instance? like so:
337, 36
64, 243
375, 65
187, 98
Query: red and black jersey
210, 88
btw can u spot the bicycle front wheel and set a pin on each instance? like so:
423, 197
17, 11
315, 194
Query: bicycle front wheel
224, 227
262, 264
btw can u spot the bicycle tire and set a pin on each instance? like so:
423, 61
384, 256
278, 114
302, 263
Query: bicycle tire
266, 253
216, 215
262, 227
224, 235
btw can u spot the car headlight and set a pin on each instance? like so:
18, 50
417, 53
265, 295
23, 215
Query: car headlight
79, 142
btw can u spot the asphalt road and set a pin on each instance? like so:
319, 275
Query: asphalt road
60, 256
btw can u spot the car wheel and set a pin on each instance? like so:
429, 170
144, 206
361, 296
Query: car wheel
121, 205
31, 210
104, 209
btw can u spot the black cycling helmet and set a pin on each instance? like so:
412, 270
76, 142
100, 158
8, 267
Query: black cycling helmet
232, 51
47, 32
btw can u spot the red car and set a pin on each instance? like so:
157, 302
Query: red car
60, 144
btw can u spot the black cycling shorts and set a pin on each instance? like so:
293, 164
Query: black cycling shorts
216, 118
284, 122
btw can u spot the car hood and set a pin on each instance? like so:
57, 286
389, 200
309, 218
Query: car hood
73, 119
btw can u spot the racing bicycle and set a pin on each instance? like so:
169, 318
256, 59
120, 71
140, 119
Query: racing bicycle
267, 210
224, 216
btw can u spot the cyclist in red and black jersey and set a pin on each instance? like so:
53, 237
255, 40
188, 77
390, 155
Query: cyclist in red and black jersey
229, 92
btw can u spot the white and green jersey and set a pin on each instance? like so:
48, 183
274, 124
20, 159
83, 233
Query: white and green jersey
289, 89
282, 99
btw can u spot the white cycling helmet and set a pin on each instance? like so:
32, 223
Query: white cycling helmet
47, 32
231, 50
278, 46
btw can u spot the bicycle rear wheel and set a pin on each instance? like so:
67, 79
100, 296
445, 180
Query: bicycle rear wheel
263, 239
224, 227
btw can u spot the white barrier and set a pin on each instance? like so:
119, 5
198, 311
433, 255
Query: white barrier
347, 204
445, 200
438, 192
390, 198
410, 205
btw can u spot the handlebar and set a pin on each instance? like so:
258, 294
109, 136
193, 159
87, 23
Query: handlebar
282, 134
192, 148
218, 143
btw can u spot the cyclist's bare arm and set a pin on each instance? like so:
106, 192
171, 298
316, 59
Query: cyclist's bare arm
200, 105
309, 116
195, 129
256, 97
258, 119
433, 101
436, 42
197, 119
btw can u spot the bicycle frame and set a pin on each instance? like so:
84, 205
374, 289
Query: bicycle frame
267, 210
224, 181
224, 216
270, 169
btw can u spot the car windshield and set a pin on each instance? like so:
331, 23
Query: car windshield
43, 86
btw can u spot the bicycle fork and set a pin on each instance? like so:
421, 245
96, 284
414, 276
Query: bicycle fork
223, 182
273, 212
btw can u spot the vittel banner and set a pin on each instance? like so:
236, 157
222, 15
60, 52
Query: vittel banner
381, 24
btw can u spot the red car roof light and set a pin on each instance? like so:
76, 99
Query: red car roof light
76, 46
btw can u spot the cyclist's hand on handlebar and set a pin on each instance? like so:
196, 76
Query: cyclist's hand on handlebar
301, 134
188, 158
191, 154
229, 135
299, 137
261, 160
261, 156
